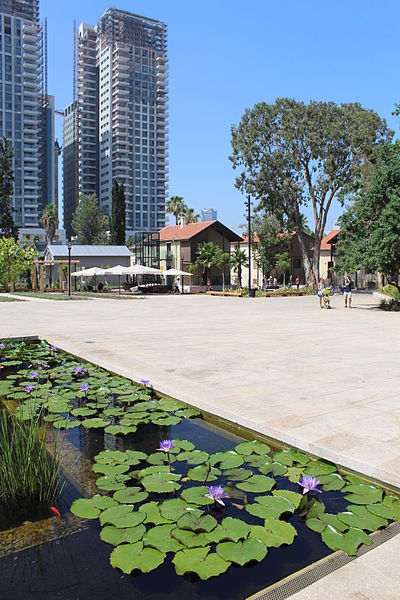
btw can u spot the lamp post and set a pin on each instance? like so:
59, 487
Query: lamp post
249, 234
69, 268
183, 289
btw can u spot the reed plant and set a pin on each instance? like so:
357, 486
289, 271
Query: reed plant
31, 476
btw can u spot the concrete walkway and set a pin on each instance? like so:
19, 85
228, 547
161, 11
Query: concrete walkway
325, 381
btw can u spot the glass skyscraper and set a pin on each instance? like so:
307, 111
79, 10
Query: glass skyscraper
122, 115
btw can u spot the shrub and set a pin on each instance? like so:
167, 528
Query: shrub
390, 305
31, 478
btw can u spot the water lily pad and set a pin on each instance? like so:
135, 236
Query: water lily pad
317, 468
83, 412
193, 457
229, 529
275, 506
318, 524
115, 536
199, 473
289, 456
121, 516
190, 539
188, 413
95, 423
120, 429
257, 483
253, 447
348, 541
129, 557
294, 474
274, 533
196, 522
161, 482
226, 460
199, 561
242, 553
197, 495
238, 474
165, 421
259, 460
131, 457
182, 446
294, 497
154, 469
361, 518
90, 508
159, 458
331, 482
131, 495
362, 493
113, 412
112, 483
390, 509
152, 514
173, 509
160, 537
110, 469
278, 468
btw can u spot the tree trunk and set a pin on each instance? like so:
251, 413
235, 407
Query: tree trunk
308, 267
223, 281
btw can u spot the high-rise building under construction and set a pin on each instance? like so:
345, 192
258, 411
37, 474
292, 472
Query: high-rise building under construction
122, 116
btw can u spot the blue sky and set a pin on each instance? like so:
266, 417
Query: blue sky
226, 55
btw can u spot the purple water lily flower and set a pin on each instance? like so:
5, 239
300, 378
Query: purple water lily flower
84, 387
166, 445
53, 348
309, 484
145, 382
29, 388
2, 346
78, 371
2, 358
33, 374
216, 493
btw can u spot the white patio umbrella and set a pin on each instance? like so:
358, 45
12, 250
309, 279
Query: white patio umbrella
176, 272
141, 270
117, 270
89, 272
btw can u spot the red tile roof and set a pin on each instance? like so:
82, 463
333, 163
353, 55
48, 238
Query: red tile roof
178, 233
329, 239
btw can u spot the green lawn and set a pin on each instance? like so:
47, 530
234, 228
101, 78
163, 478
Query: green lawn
46, 295
8, 299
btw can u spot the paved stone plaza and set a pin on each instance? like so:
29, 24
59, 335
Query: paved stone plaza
325, 381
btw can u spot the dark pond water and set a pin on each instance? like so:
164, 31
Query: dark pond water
77, 567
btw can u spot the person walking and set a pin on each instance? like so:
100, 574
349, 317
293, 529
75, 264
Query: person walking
347, 291
320, 293
176, 287
297, 282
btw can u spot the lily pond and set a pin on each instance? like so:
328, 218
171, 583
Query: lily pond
157, 502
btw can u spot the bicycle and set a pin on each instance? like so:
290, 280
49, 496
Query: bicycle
335, 289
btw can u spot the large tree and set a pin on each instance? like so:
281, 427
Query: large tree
118, 214
7, 226
271, 240
222, 260
370, 235
88, 222
205, 259
49, 220
238, 261
292, 155
176, 206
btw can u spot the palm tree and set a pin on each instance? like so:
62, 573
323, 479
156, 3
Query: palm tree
239, 260
49, 220
205, 258
176, 206
189, 215
222, 260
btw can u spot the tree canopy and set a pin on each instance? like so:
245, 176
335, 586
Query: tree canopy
370, 235
7, 226
88, 222
118, 214
292, 155
175, 206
